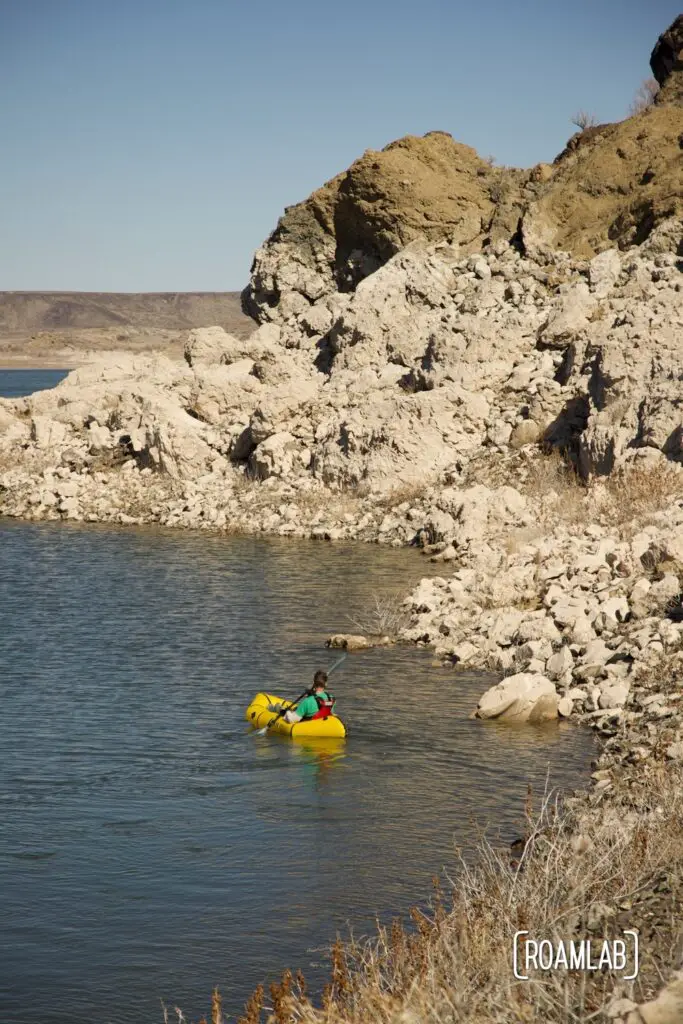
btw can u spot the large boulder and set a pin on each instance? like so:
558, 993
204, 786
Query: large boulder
208, 345
274, 457
525, 697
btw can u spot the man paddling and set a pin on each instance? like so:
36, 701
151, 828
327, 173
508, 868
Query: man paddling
318, 704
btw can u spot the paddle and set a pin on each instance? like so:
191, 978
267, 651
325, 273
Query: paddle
283, 710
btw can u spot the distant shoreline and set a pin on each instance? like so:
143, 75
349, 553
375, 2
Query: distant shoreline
36, 363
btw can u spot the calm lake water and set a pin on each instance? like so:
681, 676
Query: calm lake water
150, 847
17, 383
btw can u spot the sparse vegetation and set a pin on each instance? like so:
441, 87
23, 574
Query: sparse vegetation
625, 499
403, 492
638, 492
578, 872
582, 119
388, 616
644, 97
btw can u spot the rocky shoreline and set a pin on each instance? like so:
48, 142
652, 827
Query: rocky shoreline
558, 579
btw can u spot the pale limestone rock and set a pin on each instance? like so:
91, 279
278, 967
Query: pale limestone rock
520, 698
665, 589
614, 611
7, 419
552, 571
274, 456
581, 632
559, 663
537, 649
424, 598
640, 589
667, 1008
207, 345
576, 693
596, 653
46, 432
505, 625
569, 317
565, 707
465, 653
540, 628
567, 612
603, 272
672, 546
99, 437
614, 695
526, 432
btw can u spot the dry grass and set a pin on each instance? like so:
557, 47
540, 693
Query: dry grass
404, 492
262, 497
627, 499
549, 482
599, 312
639, 492
577, 874
546, 474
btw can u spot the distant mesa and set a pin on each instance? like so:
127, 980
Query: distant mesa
30, 312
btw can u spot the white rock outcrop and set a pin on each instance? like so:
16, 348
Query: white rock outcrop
525, 697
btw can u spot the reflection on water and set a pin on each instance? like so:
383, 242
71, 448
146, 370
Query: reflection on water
151, 847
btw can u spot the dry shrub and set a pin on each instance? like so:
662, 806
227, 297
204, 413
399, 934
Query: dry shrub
404, 492
644, 97
515, 540
554, 487
577, 873
8, 460
636, 492
582, 119
550, 473
388, 616
599, 312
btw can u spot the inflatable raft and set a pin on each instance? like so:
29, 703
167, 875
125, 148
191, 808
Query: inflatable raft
258, 716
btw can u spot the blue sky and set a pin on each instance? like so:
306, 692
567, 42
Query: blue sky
151, 145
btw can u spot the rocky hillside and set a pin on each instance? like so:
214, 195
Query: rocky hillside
611, 186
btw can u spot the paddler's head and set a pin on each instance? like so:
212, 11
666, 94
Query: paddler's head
319, 680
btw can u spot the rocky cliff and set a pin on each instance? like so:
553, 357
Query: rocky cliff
612, 185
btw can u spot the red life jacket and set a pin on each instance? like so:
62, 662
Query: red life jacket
325, 707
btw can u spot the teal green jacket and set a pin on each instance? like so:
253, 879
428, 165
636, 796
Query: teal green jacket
309, 705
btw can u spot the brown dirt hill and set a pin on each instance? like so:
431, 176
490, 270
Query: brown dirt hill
26, 312
616, 186
430, 186
611, 186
